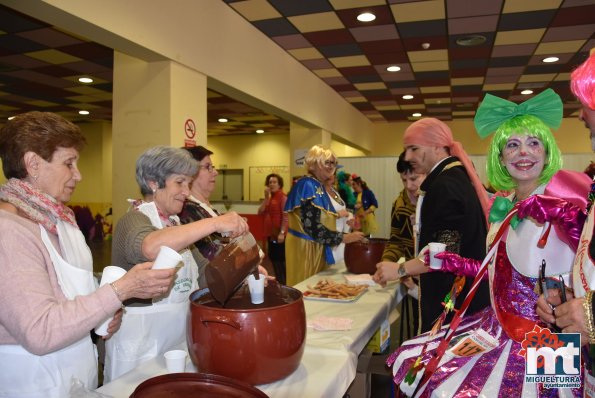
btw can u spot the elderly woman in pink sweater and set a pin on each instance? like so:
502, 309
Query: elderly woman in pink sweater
50, 302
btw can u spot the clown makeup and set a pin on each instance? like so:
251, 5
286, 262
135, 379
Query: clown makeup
524, 158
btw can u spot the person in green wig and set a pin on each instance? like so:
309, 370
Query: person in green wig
345, 190
534, 224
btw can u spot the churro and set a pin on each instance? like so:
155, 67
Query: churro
327, 288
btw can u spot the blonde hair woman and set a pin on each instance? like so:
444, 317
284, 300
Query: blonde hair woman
312, 219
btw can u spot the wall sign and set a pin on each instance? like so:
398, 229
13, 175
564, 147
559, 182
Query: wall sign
190, 128
299, 155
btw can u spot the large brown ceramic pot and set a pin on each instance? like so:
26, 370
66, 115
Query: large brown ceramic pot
256, 344
362, 257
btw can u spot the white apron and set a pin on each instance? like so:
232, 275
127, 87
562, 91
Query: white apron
341, 224
25, 375
149, 331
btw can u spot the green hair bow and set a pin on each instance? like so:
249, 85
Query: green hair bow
493, 111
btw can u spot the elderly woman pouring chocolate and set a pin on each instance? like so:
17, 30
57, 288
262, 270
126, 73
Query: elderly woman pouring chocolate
164, 175
50, 302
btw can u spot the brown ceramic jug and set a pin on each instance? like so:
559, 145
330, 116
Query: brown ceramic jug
226, 272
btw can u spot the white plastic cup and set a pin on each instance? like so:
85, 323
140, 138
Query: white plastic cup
435, 248
167, 258
175, 361
110, 274
256, 287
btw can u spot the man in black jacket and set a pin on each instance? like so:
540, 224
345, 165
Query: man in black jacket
451, 210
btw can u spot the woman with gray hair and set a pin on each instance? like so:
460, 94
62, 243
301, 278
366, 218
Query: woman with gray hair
50, 301
312, 219
149, 329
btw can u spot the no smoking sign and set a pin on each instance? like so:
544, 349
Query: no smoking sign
190, 128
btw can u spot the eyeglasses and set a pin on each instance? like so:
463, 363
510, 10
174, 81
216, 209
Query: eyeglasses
209, 167
330, 163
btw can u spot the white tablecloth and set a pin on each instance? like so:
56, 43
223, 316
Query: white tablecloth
322, 373
330, 358
368, 312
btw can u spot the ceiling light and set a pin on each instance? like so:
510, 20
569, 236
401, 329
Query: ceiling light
471, 40
259, 131
222, 120
85, 80
408, 96
416, 114
393, 68
550, 59
11, 117
83, 112
366, 17
527, 92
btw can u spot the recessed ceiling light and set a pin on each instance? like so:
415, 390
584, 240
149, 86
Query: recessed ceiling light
259, 131
393, 68
83, 112
527, 92
366, 17
222, 120
416, 114
85, 80
550, 59
408, 96
11, 117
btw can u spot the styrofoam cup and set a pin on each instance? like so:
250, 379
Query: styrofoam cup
175, 361
435, 248
256, 287
110, 274
167, 258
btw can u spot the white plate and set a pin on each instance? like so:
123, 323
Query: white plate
335, 300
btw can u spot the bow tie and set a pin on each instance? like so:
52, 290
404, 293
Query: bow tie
500, 208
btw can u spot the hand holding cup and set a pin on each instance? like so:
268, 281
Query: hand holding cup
435, 248
110, 274
167, 258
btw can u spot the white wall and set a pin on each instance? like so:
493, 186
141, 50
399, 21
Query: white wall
380, 173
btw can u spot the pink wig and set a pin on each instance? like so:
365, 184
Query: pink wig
432, 132
582, 82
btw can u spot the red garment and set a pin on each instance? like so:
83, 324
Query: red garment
275, 219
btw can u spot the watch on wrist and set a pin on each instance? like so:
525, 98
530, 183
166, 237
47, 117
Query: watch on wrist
401, 271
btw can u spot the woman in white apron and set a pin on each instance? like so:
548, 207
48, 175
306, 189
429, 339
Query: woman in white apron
50, 302
344, 216
150, 328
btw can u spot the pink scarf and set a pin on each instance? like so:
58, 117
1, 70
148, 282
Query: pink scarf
36, 205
